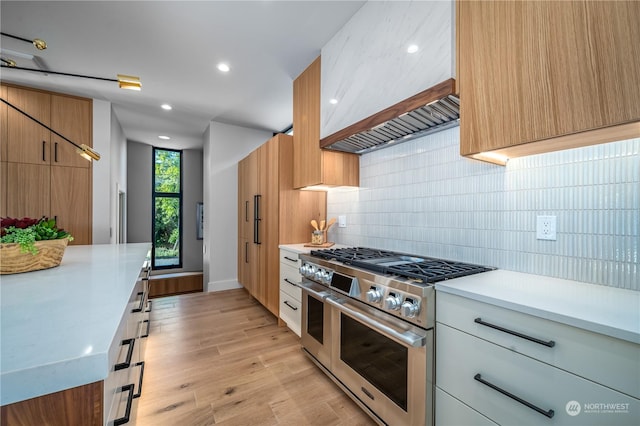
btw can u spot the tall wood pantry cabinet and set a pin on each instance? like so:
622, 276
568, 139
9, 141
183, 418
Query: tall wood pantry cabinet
271, 212
42, 175
312, 165
542, 76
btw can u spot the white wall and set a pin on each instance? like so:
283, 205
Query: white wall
109, 172
421, 197
224, 146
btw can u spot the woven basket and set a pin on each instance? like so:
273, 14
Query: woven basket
13, 261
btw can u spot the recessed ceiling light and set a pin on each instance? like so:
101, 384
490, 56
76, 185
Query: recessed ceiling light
223, 67
167, 107
333, 101
164, 138
412, 48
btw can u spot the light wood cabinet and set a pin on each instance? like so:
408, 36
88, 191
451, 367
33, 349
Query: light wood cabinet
44, 174
278, 214
3, 124
543, 76
312, 165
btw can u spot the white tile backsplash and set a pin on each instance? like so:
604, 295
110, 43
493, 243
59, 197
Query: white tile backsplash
421, 197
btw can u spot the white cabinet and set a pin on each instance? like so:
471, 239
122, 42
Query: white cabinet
366, 66
515, 368
290, 293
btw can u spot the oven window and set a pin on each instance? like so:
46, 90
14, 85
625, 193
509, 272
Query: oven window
315, 318
378, 359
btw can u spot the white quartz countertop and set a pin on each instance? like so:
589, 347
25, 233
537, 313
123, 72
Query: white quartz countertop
606, 310
57, 324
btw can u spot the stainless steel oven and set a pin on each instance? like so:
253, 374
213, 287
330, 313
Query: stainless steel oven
316, 322
384, 362
367, 321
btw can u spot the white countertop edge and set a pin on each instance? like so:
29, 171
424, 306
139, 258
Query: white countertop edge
50, 378
497, 295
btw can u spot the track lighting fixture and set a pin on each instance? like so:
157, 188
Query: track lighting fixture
37, 43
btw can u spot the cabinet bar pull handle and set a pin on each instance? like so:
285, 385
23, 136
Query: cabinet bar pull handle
148, 327
149, 305
141, 365
246, 252
292, 260
44, 147
290, 305
55, 152
290, 282
139, 308
127, 362
256, 219
246, 211
127, 411
549, 413
549, 344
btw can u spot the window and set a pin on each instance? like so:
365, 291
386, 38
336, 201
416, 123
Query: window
167, 209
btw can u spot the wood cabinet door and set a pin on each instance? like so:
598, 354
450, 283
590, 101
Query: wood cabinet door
28, 190
28, 141
72, 118
71, 201
3, 188
3, 124
307, 162
531, 71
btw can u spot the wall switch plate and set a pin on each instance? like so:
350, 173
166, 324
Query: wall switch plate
546, 228
342, 221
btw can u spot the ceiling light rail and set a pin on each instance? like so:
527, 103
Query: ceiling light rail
124, 81
83, 150
37, 43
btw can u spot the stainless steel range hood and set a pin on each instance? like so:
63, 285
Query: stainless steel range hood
430, 111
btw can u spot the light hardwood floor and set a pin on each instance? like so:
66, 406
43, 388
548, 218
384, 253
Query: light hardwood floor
221, 359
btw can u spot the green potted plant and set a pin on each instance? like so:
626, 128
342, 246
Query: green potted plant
31, 244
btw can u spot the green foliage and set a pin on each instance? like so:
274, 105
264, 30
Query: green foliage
167, 208
25, 232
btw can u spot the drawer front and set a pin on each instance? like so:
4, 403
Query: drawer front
480, 374
288, 276
291, 312
289, 258
574, 349
451, 412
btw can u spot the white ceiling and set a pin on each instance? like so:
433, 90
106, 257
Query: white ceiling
174, 47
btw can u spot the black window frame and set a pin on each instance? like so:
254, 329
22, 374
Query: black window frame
155, 194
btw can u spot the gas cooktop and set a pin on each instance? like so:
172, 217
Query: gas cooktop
419, 268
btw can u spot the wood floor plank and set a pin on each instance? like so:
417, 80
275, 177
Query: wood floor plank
221, 359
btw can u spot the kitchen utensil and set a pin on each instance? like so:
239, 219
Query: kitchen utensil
331, 222
314, 224
322, 222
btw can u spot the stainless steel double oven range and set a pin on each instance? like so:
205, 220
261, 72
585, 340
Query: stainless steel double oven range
367, 321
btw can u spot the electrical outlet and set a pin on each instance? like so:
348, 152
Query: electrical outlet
342, 221
546, 228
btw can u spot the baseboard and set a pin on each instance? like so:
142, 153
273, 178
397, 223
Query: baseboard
223, 285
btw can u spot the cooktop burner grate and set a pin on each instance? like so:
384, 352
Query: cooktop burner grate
421, 269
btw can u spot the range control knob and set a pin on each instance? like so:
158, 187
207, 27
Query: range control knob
410, 309
374, 295
392, 302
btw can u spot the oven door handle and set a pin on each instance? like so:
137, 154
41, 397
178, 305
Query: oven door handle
322, 295
404, 337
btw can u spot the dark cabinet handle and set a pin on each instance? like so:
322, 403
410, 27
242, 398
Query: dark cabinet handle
141, 365
549, 344
290, 305
139, 308
148, 327
290, 282
127, 411
149, 305
246, 252
256, 219
44, 148
290, 259
55, 152
127, 361
246, 211
549, 413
